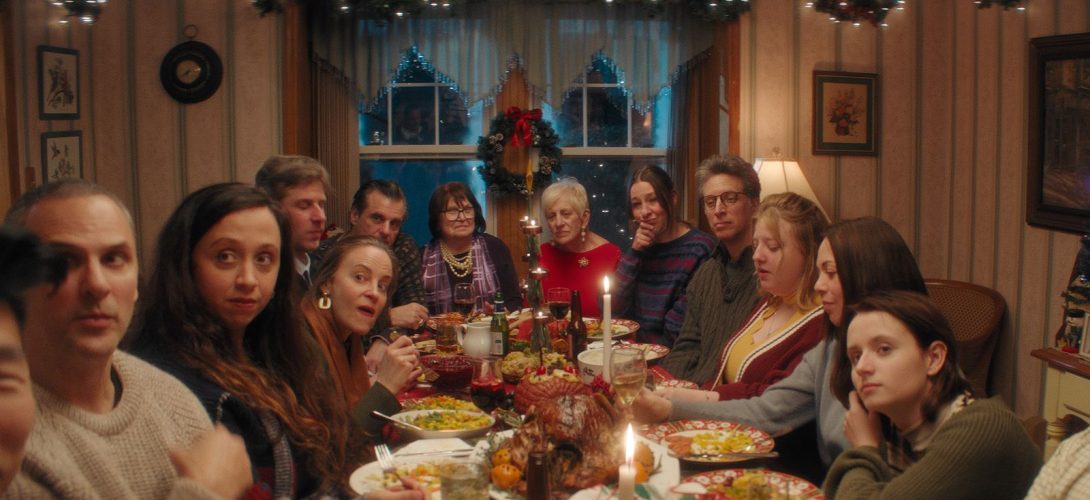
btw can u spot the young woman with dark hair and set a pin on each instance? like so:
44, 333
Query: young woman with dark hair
653, 273
915, 429
461, 252
218, 314
868, 255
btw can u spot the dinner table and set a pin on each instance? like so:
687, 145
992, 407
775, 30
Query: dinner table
773, 461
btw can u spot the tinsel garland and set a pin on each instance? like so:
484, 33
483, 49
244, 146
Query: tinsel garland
854, 11
509, 127
707, 10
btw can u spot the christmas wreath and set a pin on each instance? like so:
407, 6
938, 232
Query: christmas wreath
523, 129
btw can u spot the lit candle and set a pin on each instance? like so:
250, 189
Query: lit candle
607, 331
626, 482
532, 229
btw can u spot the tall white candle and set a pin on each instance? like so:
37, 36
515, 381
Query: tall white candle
626, 482
607, 331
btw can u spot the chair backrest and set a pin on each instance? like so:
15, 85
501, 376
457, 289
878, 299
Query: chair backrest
975, 314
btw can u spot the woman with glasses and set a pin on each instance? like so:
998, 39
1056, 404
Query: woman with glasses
576, 257
652, 275
461, 252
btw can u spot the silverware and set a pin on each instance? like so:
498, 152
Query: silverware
395, 422
454, 453
386, 461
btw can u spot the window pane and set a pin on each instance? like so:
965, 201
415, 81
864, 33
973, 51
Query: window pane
606, 181
458, 125
418, 178
569, 119
373, 123
607, 117
415, 72
602, 72
413, 123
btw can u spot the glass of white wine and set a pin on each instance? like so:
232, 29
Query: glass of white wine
628, 373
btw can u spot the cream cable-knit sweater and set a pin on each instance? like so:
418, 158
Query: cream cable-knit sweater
72, 453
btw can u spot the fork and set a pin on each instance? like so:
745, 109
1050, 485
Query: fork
386, 461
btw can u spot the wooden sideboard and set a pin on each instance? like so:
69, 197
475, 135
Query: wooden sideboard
1067, 392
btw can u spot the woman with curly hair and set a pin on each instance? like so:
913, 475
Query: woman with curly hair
218, 314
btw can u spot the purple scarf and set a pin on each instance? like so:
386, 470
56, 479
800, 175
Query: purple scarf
438, 292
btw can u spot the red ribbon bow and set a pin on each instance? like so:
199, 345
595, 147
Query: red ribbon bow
523, 128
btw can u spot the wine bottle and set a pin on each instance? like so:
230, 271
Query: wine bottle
577, 328
501, 342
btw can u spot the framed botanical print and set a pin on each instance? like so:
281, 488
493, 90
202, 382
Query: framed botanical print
62, 155
845, 113
58, 83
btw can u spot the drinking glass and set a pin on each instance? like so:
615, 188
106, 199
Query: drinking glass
559, 299
463, 480
463, 299
628, 372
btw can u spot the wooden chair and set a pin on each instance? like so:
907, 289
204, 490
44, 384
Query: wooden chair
975, 314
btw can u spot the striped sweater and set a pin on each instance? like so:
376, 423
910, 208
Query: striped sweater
651, 285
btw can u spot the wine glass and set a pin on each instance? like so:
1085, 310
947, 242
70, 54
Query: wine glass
628, 373
559, 299
463, 299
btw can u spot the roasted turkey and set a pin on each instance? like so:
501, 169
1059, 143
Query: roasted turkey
579, 432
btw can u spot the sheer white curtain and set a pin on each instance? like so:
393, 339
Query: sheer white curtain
553, 42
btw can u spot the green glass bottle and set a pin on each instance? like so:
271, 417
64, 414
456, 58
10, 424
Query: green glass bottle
501, 341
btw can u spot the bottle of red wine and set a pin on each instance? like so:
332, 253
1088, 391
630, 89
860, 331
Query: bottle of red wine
577, 328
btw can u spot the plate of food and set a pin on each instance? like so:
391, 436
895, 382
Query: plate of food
747, 483
445, 423
370, 477
439, 402
674, 382
620, 328
711, 441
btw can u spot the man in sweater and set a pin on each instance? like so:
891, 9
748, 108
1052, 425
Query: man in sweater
723, 289
108, 424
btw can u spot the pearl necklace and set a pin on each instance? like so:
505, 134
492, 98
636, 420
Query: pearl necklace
459, 267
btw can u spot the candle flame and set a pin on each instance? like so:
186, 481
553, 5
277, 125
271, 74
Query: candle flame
533, 222
629, 445
605, 284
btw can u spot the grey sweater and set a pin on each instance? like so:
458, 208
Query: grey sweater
721, 295
786, 405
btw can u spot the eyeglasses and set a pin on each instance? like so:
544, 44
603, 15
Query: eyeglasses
454, 213
727, 197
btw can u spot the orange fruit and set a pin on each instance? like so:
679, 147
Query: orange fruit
502, 456
505, 476
642, 473
644, 456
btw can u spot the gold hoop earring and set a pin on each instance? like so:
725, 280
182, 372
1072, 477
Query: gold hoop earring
324, 302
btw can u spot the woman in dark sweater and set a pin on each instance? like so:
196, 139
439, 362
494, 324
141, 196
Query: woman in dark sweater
218, 314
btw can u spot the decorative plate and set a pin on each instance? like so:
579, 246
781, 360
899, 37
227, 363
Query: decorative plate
777, 484
370, 477
759, 441
675, 382
651, 352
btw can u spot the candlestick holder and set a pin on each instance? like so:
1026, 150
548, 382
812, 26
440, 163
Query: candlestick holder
540, 340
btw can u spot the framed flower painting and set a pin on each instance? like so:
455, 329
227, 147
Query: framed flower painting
58, 83
846, 116
62, 155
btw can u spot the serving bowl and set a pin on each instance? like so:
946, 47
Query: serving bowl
455, 372
460, 431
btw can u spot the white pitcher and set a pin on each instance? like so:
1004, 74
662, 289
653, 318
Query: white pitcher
476, 338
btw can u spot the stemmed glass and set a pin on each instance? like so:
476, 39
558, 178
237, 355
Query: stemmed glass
463, 299
559, 299
628, 372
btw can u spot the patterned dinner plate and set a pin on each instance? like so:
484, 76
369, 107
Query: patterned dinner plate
675, 382
748, 483
736, 440
621, 328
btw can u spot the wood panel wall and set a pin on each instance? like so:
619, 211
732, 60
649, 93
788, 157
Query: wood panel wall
951, 173
137, 141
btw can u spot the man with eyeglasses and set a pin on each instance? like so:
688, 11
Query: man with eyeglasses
723, 289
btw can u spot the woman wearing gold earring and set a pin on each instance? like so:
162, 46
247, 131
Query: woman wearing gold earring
576, 257
351, 288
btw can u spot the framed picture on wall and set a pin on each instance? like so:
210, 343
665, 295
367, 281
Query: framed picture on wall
845, 113
58, 83
62, 155
1058, 172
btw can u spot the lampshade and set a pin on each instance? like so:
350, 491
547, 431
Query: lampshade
780, 176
